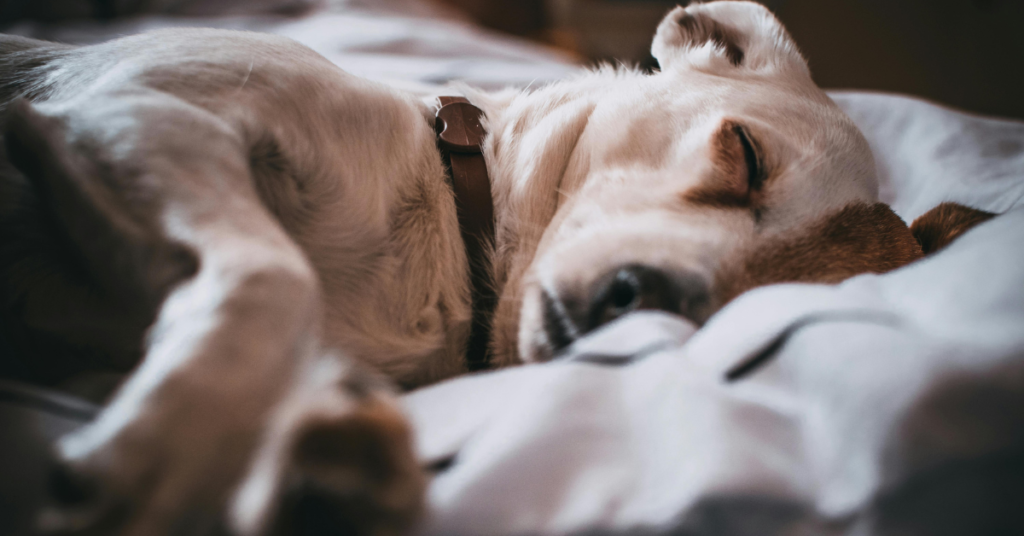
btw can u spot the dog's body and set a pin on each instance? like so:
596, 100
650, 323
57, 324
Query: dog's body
303, 141
234, 207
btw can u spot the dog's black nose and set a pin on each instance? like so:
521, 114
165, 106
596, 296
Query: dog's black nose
618, 292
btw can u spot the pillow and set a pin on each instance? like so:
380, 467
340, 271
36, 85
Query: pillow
927, 154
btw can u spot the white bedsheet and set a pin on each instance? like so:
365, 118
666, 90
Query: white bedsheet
889, 402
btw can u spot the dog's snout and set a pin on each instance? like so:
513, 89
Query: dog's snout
626, 290
635, 287
569, 315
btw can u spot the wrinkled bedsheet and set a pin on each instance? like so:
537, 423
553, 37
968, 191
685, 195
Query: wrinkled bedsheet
889, 404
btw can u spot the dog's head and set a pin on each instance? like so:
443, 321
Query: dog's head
681, 189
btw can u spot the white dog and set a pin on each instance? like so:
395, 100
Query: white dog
231, 207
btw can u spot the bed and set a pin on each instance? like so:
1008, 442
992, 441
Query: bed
888, 404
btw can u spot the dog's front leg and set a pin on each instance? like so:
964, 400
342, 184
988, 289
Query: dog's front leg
234, 347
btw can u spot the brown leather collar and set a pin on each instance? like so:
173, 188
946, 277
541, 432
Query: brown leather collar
459, 135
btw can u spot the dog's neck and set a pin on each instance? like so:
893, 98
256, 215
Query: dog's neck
529, 148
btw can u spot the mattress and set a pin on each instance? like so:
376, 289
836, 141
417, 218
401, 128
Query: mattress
888, 404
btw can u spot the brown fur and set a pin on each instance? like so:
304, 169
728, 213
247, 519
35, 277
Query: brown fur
704, 29
945, 223
859, 239
371, 445
732, 187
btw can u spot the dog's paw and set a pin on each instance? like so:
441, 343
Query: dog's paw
354, 475
338, 460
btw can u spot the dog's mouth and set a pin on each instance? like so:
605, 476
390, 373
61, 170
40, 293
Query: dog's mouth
570, 313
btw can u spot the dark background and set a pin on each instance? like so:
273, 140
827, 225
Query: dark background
965, 53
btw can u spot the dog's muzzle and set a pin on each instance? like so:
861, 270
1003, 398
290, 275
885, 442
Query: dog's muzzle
570, 314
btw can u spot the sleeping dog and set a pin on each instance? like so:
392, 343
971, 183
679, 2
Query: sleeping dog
270, 244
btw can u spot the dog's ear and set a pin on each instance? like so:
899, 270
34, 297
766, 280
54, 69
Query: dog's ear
860, 238
945, 223
719, 36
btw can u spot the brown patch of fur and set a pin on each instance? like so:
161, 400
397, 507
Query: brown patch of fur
858, 239
731, 186
945, 223
351, 474
702, 29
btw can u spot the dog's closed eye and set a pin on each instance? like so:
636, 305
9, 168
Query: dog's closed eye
752, 157
738, 170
